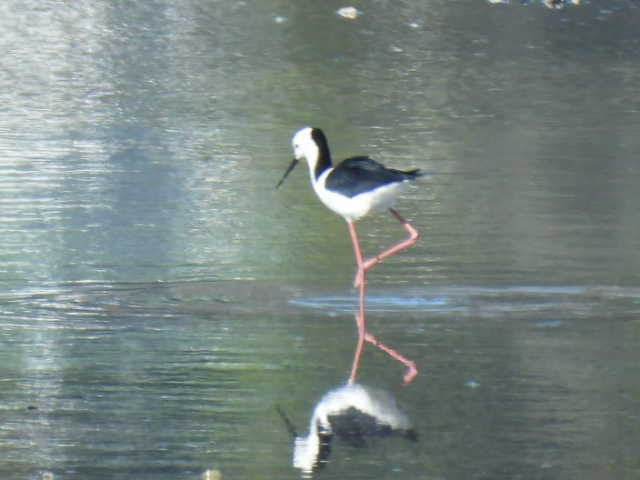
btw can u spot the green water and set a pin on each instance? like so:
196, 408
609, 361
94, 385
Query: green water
159, 297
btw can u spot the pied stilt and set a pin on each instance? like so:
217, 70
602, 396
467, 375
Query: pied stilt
353, 189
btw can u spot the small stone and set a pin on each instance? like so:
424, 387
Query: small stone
350, 13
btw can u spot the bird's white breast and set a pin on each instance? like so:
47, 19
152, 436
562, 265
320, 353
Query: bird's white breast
356, 207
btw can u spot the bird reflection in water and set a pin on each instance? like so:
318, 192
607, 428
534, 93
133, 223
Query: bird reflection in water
353, 413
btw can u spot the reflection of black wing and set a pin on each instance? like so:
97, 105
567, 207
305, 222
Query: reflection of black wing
360, 174
355, 427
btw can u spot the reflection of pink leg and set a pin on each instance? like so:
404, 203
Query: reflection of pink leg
413, 238
412, 371
360, 320
362, 336
361, 281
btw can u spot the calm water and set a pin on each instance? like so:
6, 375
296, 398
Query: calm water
159, 298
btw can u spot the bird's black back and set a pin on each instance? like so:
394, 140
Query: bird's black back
358, 175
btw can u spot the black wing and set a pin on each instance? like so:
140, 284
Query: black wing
357, 175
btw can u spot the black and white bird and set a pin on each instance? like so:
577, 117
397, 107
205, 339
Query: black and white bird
353, 189
352, 413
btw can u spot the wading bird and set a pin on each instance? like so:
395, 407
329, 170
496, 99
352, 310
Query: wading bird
354, 188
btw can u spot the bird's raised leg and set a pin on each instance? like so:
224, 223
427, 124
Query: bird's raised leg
413, 238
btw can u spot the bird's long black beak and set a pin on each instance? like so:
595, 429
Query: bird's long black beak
292, 165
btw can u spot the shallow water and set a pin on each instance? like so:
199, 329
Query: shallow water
160, 298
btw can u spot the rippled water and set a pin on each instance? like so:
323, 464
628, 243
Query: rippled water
160, 298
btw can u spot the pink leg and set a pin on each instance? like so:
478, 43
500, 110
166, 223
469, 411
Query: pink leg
413, 238
360, 320
363, 335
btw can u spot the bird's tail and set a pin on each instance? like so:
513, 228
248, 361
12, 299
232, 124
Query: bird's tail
413, 174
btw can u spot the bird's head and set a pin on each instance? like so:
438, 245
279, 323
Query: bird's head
310, 144
304, 145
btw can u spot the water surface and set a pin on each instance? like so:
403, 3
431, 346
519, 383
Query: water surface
159, 297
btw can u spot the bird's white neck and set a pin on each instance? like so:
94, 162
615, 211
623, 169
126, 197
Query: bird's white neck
318, 159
